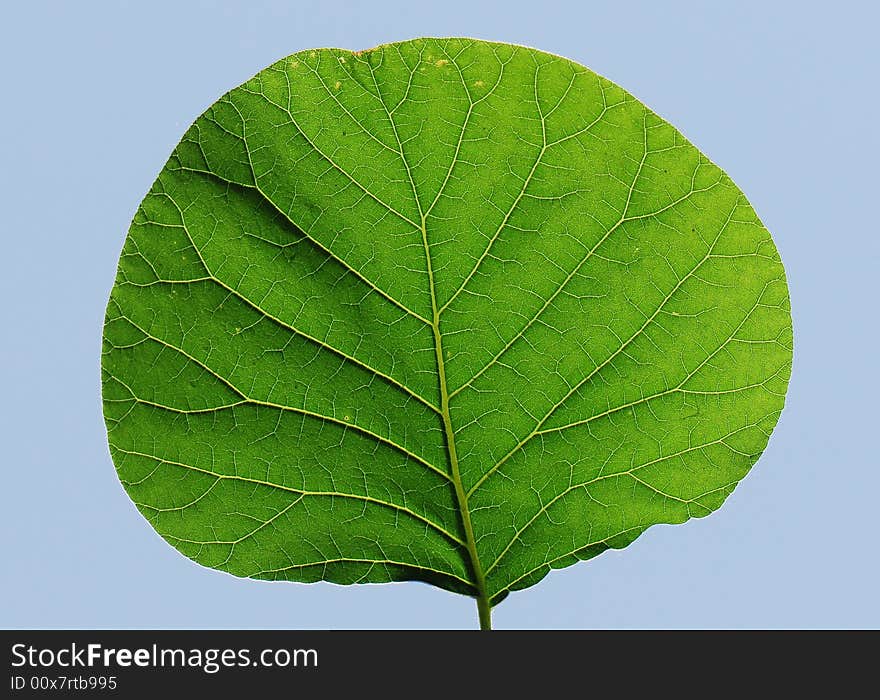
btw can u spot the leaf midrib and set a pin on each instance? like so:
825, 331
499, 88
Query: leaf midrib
460, 493
483, 600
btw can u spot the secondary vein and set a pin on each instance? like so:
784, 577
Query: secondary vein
299, 492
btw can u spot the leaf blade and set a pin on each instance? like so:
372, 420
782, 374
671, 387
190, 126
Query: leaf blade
475, 311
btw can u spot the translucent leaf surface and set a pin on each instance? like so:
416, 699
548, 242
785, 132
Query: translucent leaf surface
444, 310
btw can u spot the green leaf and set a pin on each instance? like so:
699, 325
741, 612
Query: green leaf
445, 310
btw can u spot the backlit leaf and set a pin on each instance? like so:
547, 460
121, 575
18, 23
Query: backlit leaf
444, 310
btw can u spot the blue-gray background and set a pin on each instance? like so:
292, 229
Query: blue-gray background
782, 95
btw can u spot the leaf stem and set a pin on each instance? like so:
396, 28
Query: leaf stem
484, 610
